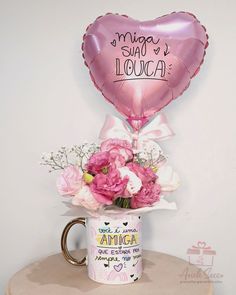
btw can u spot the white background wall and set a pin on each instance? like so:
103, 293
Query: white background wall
47, 100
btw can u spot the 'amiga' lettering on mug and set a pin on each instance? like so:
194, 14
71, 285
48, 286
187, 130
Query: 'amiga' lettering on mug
117, 239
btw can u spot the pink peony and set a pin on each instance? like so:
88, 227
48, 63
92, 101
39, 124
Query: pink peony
149, 194
97, 162
145, 174
70, 181
118, 146
85, 198
106, 187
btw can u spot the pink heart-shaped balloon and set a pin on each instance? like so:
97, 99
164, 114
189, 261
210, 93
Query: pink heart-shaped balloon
141, 66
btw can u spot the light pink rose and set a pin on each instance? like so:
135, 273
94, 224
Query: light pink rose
85, 198
70, 181
118, 146
149, 194
97, 162
107, 187
145, 174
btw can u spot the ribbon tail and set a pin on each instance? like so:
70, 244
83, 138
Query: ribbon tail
158, 129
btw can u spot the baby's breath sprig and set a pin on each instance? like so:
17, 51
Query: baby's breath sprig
56, 160
147, 158
77, 155
83, 152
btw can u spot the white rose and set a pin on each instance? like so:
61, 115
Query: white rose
134, 184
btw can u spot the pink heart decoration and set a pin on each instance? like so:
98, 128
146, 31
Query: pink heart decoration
118, 267
201, 244
141, 66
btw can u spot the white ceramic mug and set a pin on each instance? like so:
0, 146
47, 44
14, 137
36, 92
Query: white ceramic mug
114, 248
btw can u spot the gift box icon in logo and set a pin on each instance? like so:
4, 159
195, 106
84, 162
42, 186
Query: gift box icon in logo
201, 254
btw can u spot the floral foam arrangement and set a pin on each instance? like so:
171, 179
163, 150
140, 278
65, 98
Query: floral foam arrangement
114, 174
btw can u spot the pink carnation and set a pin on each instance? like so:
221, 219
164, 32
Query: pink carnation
97, 162
149, 194
106, 187
70, 181
145, 174
118, 146
101, 160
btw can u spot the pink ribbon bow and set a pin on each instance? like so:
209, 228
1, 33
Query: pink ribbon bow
158, 129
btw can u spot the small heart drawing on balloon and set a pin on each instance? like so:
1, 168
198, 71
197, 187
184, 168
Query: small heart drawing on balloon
113, 43
157, 50
118, 267
106, 223
125, 223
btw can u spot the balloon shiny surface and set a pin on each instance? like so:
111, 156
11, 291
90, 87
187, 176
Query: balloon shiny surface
141, 66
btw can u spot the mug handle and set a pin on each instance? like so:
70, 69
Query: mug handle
68, 257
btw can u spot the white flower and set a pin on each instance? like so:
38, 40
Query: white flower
134, 184
167, 178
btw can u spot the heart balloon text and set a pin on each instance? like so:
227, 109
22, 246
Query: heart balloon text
141, 66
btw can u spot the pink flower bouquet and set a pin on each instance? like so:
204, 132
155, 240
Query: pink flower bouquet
111, 174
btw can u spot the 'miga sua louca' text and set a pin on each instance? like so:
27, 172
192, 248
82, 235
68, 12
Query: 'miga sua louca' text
134, 60
117, 239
